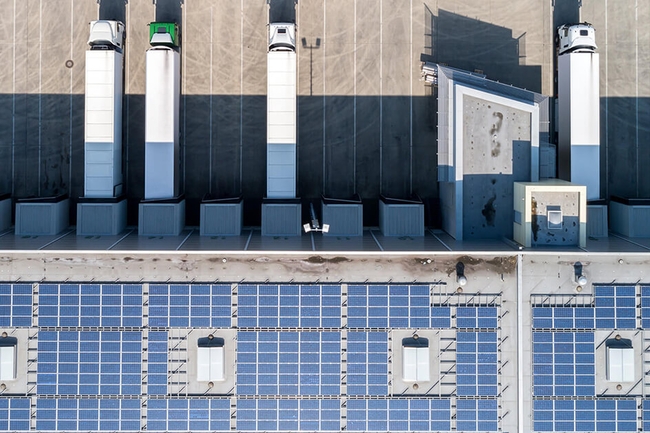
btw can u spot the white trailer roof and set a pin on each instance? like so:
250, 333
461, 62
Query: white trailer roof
281, 120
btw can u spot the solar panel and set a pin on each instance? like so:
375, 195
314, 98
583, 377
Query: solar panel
476, 317
440, 415
584, 415
476, 360
564, 364
292, 415
419, 415
367, 363
616, 415
289, 306
91, 305
188, 414
368, 306
615, 307
563, 317
395, 306
89, 363
399, 415
87, 414
367, 415
157, 363
476, 415
16, 305
14, 414
184, 305
319, 415
288, 363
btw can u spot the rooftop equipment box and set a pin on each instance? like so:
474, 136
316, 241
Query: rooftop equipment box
398, 217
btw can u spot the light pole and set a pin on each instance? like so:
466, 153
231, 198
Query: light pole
311, 49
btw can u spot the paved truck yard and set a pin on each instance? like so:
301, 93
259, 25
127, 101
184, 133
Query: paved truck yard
366, 121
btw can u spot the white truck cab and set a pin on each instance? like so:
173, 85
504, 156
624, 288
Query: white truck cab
106, 34
282, 37
576, 37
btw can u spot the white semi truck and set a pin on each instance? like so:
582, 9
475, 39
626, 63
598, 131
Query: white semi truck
162, 103
103, 127
579, 107
576, 38
281, 112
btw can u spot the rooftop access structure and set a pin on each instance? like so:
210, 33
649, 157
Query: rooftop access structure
490, 135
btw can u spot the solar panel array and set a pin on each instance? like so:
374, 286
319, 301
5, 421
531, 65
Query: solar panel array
183, 305
615, 307
288, 363
399, 306
291, 415
85, 305
309, 357
565, 366
87, 414
14, 414
477, 415
367, 363
289, 306
15, 305
564, 318
89, 363
157, 348
477, 364
399, 415
187, 414
585, 415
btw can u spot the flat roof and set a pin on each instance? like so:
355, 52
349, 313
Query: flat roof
251, 240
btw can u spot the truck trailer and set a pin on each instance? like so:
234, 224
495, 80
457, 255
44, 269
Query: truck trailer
103, 112
162, 104
579, 107
281, 112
